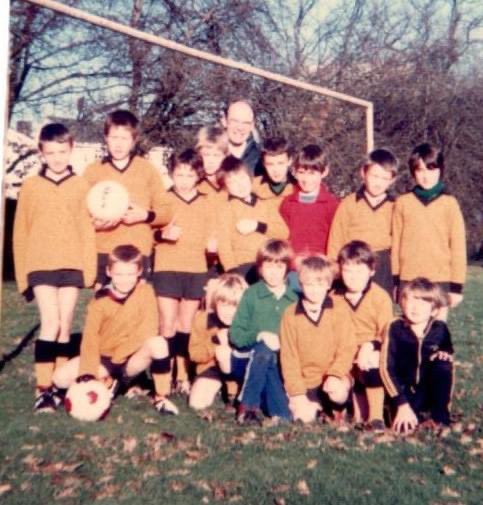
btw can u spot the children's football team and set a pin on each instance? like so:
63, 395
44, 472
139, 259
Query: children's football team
268, 292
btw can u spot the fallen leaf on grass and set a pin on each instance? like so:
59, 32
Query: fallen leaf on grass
61, 467
202, 484
5, 488
107, 492
311, 464
34, 429
176, 486
281, 488
150, 420
279, 501
32, 462
448, 470
457, 428
129, 444
466, 439
447, 491
302, 488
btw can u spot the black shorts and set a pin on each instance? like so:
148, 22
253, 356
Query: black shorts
115, 370
102, 260
212, 373
383, 275
190, 286
57, 278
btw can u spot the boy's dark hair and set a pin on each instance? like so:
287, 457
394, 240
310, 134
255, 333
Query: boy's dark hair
311, 157
318, 265
126, 253
425, 153
384, 158
357, 251
55, 132
275, 250
231, 165
427, 290
275, 146
122, 118
189, 157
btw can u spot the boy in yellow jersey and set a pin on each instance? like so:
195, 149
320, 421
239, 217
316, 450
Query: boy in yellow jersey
277, 182
210, 331
371, 311
367, 214
428, 229
245, 222
417, 359
317, 346
180, 267
120, 339
212, 145
55, 253
143, 184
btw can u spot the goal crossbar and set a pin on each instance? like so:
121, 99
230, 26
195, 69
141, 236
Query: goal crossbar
212, 58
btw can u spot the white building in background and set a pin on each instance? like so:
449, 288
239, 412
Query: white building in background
22, 160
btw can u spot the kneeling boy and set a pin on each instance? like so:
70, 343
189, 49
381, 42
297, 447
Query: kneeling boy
416, 358
317, 346
119, 339
371, 311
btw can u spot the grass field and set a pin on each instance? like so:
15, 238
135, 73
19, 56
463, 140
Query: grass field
138, 457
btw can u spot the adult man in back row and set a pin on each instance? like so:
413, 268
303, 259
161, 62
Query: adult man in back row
239, 123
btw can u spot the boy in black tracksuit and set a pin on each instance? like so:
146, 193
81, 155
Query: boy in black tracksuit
416, 358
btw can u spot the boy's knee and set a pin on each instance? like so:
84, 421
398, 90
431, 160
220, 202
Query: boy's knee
199, 401
158, 347
339, 390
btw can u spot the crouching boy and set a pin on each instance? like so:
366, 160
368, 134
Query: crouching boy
209, 333
119, 339
417, 359
317, 346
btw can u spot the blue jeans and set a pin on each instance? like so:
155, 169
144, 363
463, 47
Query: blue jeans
262, 386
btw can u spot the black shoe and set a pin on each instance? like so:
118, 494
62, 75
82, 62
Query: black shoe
248, 417
45, 402
376, 426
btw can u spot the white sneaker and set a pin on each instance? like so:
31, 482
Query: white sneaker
165, 406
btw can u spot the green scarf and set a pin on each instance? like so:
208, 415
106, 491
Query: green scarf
429, 194
279, 187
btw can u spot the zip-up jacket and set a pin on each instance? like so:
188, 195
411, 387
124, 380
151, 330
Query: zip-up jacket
404, 356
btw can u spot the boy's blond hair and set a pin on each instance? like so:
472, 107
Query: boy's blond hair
212, 136
427, 290
227, 288
319, 265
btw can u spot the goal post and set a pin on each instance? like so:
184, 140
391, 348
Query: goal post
213, 58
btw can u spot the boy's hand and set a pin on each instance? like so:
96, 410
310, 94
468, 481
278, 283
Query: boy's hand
441, 355
171, 232
212, 245
223, 357
135, 214
405, 420
303, 409
105, 224
246, 226
367, 357
271, 340
455, 299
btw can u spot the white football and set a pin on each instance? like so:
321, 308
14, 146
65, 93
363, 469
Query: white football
108, 200
88, 401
